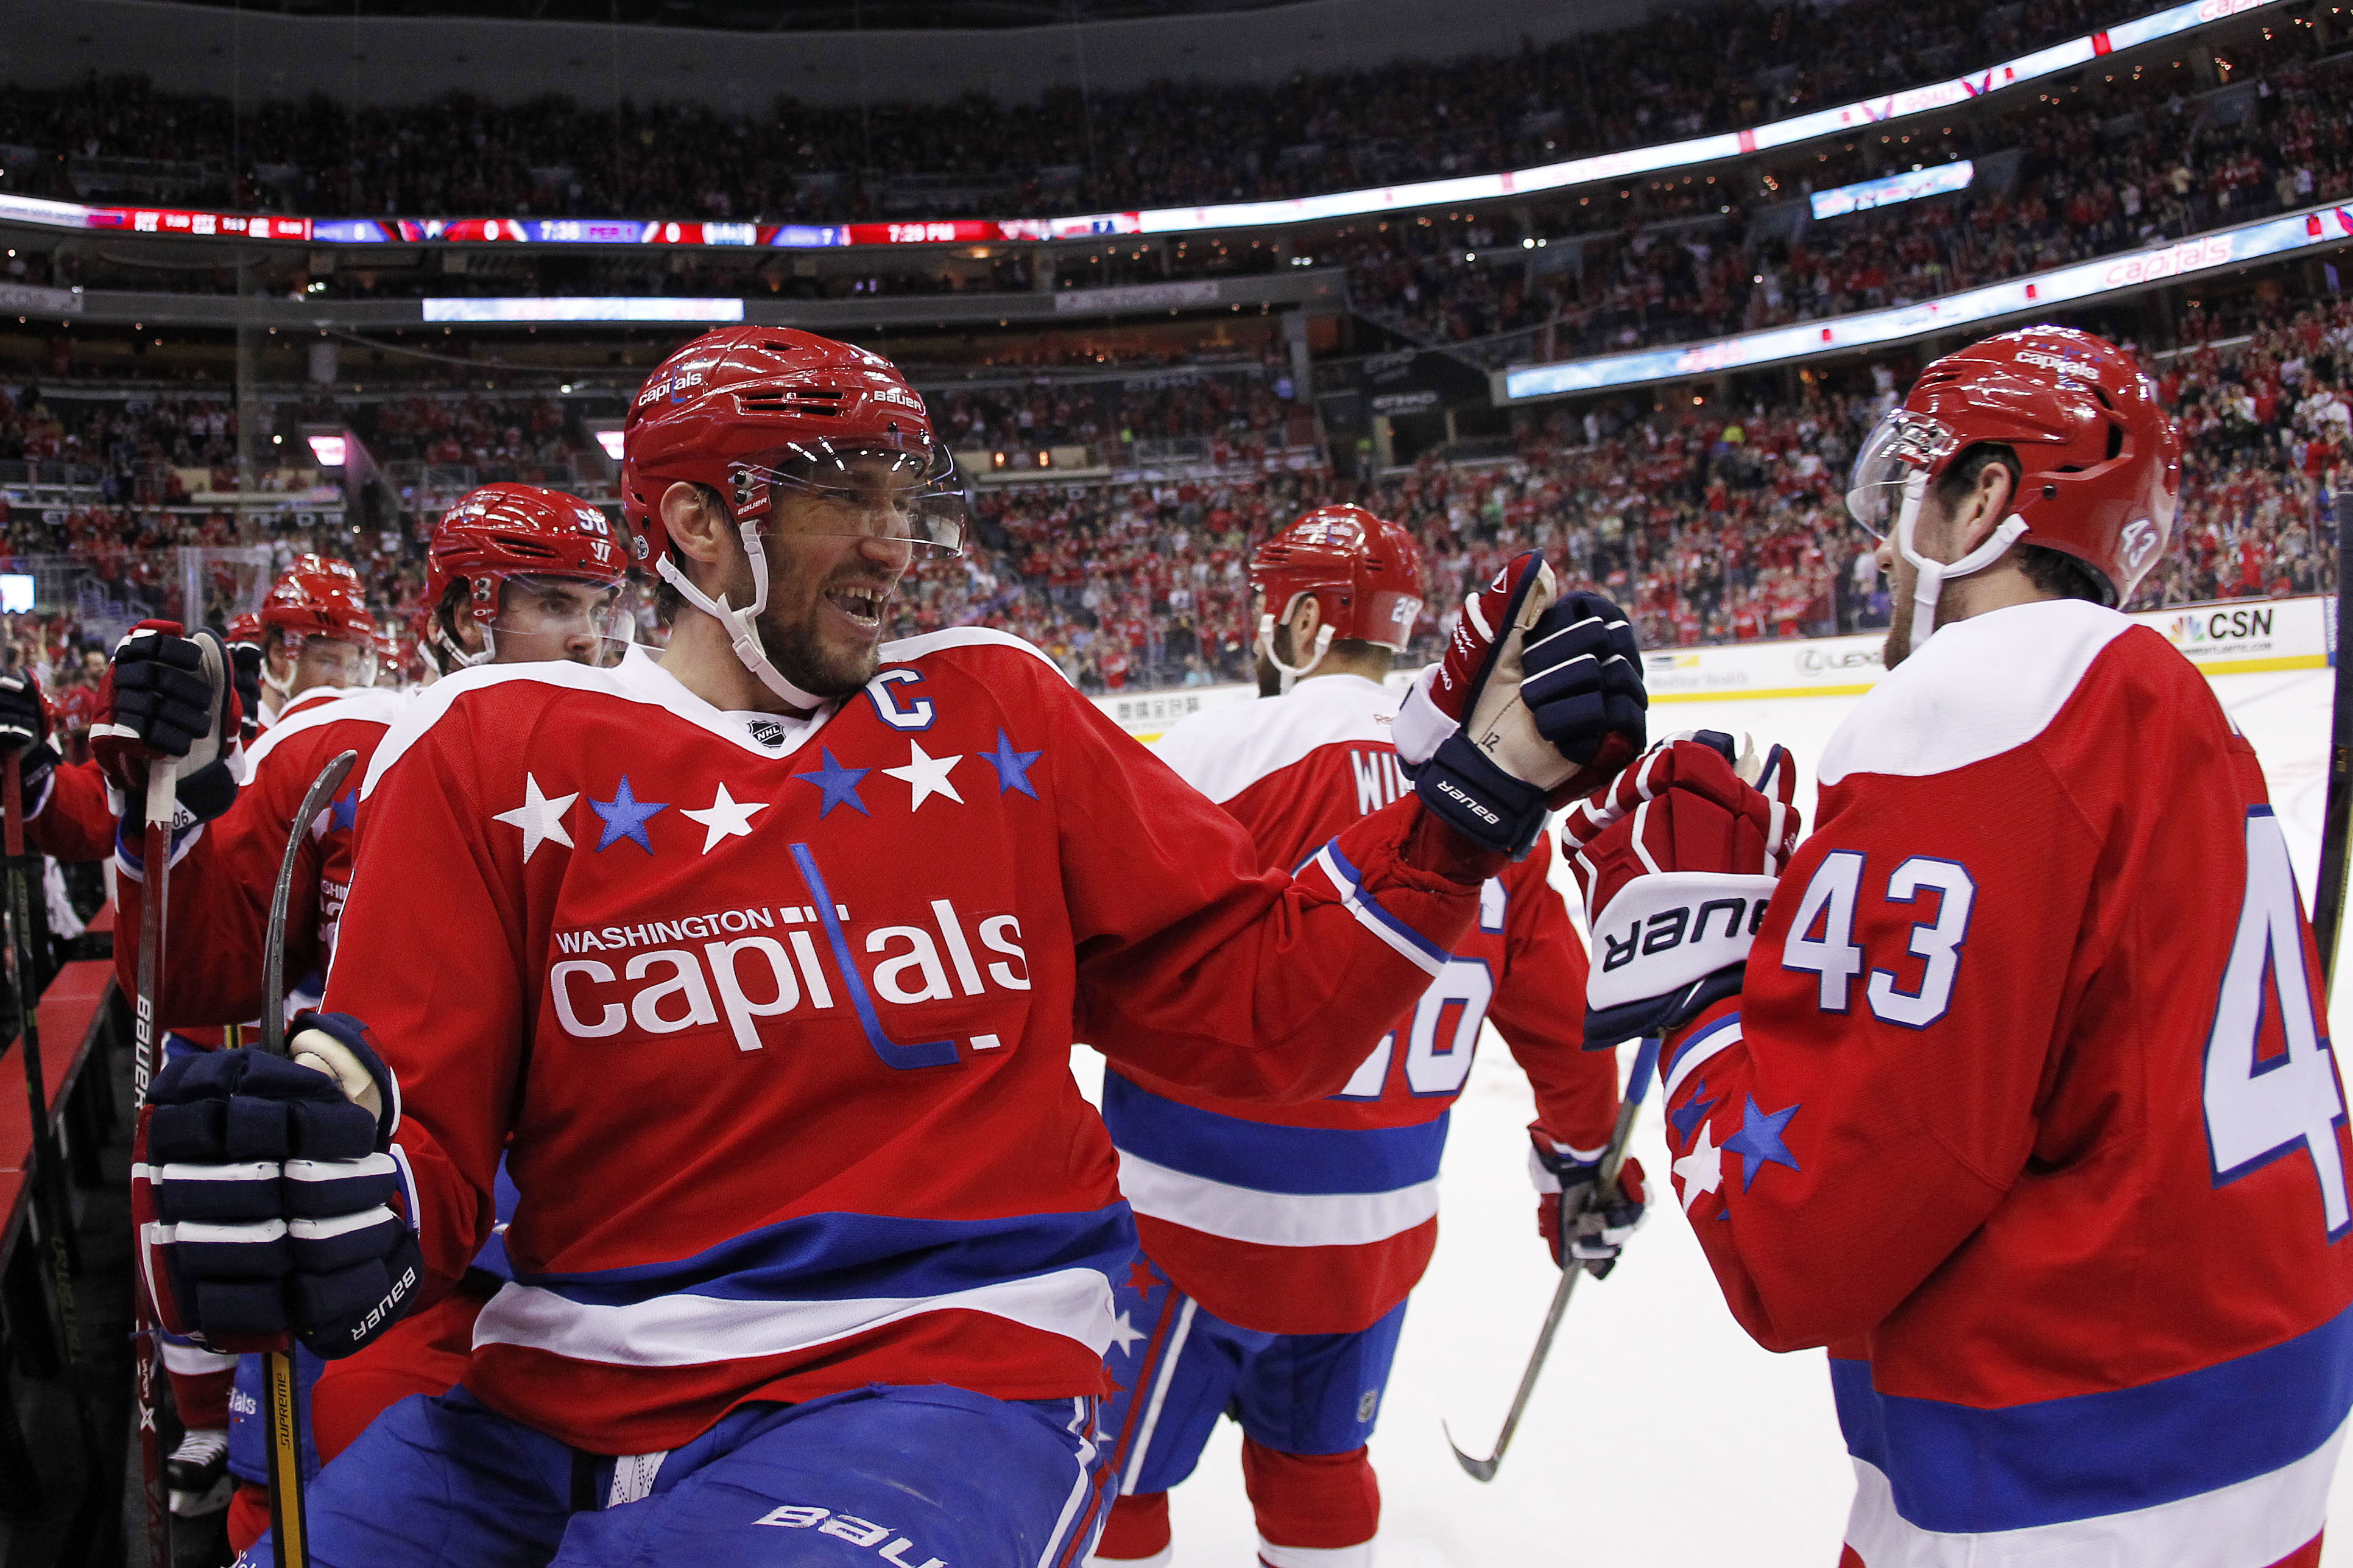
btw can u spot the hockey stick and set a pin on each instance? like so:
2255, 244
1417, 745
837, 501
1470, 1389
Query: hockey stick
1646, 1060
2328, 891
289, 1527
50, 1185
155, 845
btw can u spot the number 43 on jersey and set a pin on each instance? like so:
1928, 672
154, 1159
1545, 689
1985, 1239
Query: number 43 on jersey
2270, 1081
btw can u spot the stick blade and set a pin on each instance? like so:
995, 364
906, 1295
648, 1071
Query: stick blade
1477, 1470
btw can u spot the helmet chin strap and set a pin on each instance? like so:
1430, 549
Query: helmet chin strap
741, 632
1934, 574
1288, 673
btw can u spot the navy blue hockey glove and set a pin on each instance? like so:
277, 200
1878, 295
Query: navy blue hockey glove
1566, 1204
168, 696
265, 1195
1678, 860
25, 729
245, 661
1469, 735
1583, 687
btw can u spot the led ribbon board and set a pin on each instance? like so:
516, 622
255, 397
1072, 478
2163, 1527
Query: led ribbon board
1942, 180
2105, 275
1686, 154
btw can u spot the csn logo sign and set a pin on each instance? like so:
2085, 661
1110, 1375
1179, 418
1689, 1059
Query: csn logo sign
2194, 629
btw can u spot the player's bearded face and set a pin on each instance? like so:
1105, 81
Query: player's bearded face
832, 568
1901, 578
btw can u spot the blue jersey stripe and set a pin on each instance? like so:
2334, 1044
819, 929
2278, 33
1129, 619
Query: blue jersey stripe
857, 1257
1305, 1161
1356, 886
1964, 1470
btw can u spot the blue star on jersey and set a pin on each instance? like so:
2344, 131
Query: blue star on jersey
344, 812
1012, 767
1758, 1142
626, 818
839, 784
1695, 1110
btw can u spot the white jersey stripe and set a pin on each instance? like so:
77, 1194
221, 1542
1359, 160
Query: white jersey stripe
1273, 1219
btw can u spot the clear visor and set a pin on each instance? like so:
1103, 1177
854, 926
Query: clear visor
1901, 444
913, 499
545, 617
317, 660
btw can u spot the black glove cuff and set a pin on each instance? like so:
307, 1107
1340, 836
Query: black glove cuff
209, 792
1462, 789
34, 767
1613, 1027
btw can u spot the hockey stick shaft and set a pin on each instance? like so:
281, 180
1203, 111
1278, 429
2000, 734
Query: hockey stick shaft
1613, 1160
288, 1521
2337, 810
52, 1189
155, 847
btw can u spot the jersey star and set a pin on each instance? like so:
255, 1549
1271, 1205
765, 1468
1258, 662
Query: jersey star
1702, 1170
1012, 767
1124, 1332
1141, 1278
1758, 1142
839, 784
927, 775
1697, 1106
626, 818
540, 818
725, 819
344, 812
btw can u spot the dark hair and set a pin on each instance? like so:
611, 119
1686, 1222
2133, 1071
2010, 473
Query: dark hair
2052, 572
667, 600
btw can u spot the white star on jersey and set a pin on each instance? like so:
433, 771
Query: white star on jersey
927, 775
725, 819
540, 818
1125, 1333
1702, 1170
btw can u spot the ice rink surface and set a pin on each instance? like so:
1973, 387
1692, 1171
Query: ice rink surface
1661, 1436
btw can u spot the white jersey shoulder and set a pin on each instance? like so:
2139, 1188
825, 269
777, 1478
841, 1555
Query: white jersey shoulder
1976, 689
362, 705
1223, 751
907, 650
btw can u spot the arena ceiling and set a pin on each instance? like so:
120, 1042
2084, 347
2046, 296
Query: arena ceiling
763, 15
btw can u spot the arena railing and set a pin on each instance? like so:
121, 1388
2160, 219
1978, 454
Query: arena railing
2171, 23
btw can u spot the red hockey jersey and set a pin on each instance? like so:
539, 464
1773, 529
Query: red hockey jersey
225, 870
778, 1015
2025, 1110
1319, 1217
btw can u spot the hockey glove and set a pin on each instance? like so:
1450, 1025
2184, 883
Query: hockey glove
1583, 687
245, 661
1565, 1203
1467, 733
263, 1192
166, 695
1677, 861
25, 729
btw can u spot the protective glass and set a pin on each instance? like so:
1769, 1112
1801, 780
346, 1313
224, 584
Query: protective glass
1900, 446
543, 616
915, 498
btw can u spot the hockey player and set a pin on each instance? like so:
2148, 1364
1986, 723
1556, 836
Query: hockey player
761, 961
516, 572
1279, 1241
2018, 1099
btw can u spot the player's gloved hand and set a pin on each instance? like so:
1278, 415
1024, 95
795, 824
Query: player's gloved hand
166, 695
1677, 861
245, 661
263, 1196
25, 729
1583, 686
1566, 1204
1466, 732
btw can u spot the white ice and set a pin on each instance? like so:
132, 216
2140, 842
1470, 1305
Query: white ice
1661, 1436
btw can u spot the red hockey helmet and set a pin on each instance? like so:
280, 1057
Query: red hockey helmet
504, 531
245, 628
2100, 460
1365, 574
746, 408
308, 603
